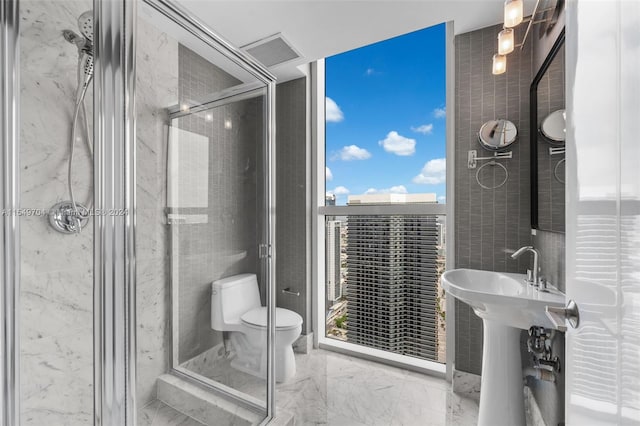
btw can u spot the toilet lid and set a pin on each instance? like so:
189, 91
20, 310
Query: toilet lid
284, 318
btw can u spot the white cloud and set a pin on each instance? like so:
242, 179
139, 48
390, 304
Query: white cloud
327, 173
333, 113
371, 71
397, 144
340, 190
440, 112
425, 129
351, 152
399, 189
433, 172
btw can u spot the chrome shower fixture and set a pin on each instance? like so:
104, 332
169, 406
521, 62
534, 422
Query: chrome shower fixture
69, 217
85, 23
73, 38
63, 217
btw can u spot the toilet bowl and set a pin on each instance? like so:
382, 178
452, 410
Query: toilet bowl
236, 308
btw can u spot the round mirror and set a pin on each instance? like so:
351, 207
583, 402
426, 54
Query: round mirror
497, 134
553, 127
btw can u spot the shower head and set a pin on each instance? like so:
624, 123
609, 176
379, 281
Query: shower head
85, 23
73, 38
84, 43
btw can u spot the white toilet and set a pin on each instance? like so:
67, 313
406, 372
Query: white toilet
236, 307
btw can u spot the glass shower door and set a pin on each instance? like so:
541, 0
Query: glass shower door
203, 197
216, 208
119, 193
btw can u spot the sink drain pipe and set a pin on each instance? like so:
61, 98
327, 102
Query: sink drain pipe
539, 374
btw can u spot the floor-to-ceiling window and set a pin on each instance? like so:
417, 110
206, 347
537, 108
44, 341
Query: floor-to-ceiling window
384, 210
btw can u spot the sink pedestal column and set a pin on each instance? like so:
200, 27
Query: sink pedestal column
501, 391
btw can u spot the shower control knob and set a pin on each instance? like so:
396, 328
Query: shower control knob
67, 218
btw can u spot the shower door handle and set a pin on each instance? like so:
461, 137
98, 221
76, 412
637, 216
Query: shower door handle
264, 251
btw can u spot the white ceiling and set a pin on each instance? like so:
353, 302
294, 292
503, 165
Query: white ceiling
321, 28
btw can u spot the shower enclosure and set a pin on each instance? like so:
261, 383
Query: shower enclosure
137, 168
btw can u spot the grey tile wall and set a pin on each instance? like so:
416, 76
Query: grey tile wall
489, 223
292, 218
199, 77
552, 257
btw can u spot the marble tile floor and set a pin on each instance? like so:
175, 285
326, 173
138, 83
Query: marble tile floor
339, 390
156, 413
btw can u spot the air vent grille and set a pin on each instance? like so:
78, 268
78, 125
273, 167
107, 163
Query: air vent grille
272, 51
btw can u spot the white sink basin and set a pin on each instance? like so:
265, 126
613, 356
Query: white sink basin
502, 297
506, 304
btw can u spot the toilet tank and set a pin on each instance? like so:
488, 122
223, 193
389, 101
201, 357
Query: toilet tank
231, 297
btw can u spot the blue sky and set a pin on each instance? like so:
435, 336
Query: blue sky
385, 129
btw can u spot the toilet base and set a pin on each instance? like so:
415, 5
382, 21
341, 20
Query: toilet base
252, 359
257, 366
285, 364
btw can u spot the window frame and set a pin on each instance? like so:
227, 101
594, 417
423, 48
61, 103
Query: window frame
319, 211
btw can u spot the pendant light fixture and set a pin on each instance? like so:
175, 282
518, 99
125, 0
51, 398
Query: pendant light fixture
506, 41
513, 13
499, 64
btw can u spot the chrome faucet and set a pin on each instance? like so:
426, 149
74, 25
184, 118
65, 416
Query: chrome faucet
533, 279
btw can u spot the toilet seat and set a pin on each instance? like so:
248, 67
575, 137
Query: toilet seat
285, 319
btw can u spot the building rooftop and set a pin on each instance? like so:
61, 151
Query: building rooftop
392, 199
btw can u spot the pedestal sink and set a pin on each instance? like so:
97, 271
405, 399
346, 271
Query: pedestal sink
506, 304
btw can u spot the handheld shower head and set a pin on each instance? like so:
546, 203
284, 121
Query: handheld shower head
69, 216
84, 43
86, 66
85, 23
73, 38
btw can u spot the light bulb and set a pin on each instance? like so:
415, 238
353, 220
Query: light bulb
513, 13
505, 41
499, 64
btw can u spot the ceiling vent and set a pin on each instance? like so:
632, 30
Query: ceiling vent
271, 51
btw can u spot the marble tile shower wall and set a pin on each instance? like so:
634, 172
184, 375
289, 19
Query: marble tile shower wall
57, 306
56, 302
489, 223
156, 89
227, 244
